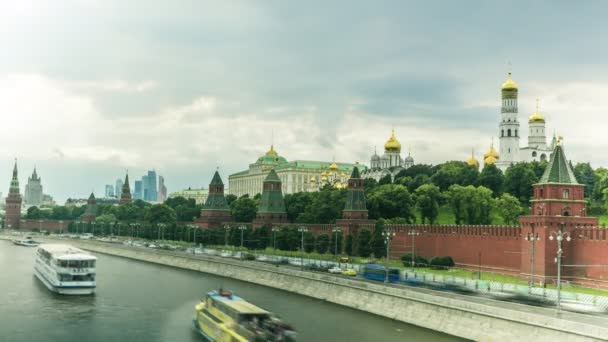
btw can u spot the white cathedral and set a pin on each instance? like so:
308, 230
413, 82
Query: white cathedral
390, 163
509, 151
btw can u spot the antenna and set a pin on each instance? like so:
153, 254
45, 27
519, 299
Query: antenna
509, 68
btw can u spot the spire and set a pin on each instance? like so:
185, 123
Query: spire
215, 199
125, 196
216, 180
559, 170
355, 174
14, 188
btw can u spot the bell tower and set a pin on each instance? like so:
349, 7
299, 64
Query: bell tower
508, 129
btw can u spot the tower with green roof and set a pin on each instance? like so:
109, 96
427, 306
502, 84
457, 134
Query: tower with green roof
90, 212
355, 207
13, 202
125, 196
272, 206
215, 210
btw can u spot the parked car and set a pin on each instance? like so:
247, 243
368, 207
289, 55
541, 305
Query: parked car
349, 272
226, 254
335, 270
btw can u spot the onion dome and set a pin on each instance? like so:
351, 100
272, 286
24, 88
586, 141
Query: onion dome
536, 117
473, 161
323, 178
409, 158
392, 145
333, 166
312, 179
509, 84
271, 157
490, 160
491, 156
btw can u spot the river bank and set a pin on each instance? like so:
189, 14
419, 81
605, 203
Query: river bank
463, 316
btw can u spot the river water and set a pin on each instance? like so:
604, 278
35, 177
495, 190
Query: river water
137, 301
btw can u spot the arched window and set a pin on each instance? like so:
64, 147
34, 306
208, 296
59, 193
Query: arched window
502, 133
543, 157
515, 132
566, 193
509, 132
534, 154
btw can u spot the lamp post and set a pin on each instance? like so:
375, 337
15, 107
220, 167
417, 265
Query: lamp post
559, 236
532, 238
388, 236
302, 230
336, 230
274, 237
193, 227
226, 228
93, 228
413, 233
242, 228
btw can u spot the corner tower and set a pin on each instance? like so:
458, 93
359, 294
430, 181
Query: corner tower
509, 125
272, 206
216, 209
13, 202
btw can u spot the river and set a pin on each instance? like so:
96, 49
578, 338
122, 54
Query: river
137, 301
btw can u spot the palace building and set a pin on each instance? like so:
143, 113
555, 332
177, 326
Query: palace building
295, 176
390, 163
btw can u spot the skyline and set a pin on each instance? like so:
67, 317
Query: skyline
185, 89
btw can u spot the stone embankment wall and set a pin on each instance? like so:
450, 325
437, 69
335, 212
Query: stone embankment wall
468, 317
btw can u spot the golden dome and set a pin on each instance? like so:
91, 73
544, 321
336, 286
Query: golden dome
509, 84
324, 178
536, 117
272, 152
491, 153
472, 161
333, 166
392, 145
312, 179
490, 160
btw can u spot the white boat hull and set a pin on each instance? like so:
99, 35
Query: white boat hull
71, 289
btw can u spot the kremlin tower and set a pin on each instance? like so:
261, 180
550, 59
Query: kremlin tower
216, 209
125, 196
13, 202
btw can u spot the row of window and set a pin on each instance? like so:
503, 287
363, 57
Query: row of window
75, 263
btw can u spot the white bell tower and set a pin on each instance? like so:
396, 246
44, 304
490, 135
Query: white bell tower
509, 126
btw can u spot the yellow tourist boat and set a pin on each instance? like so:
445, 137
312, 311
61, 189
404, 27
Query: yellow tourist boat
224, 317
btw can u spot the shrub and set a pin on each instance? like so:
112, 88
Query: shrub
442, 263
418, 260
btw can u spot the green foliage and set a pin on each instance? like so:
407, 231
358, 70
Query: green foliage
309, 242
327, 205
519, 179
418, 260
323, 243
364, 247
348, 245
389, 201
369, 184
387, 179
427, 201
61, 213
492, 178
340, 240
418, 181
442, 262
230, 198
509, 208
33, 213
244, 209
471, 205
584, 174
377, 244
161, 213
454, 172
105, 218
417, 170
297, 205
539, 167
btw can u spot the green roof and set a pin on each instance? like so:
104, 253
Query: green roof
216, 180
558, 170
272, 201
355, 173
272, 177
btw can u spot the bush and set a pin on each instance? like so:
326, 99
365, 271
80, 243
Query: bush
442, 263
418, 260
249, 256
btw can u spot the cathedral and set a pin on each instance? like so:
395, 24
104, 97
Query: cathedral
509, 151
390, 163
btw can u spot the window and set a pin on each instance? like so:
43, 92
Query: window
543, 157
515, 132
509, 132
540, 193
502, 133
534, 154
566, 194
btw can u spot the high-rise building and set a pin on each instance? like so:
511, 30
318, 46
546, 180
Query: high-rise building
162, 189
33, 190
13, 202
150, 192
118, 187
109, 190
137, 190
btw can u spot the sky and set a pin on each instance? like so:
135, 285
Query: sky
90, 89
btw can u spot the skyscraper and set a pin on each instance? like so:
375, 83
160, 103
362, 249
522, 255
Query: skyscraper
33, 190
118, 187
162, 189
137, 190
13, 202
109, 190
150, 192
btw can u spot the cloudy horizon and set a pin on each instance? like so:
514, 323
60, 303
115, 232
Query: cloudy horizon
89, 89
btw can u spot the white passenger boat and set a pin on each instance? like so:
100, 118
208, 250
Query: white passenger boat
65, 269
27, 242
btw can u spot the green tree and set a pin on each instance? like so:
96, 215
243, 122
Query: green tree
585, 175
230, 198
369, 184
161, 213
387, 179
128, 212
323, 243
327, 205
105, 218
348, 245
417, 170
378, 246
309, 242
492, 178
389, 201
454, 172
60, 213
519, 179
296, 204
418, 181
427, 200
470, 205
33, 213
364, 240
244, 209
336, 237
509, 208
539, 167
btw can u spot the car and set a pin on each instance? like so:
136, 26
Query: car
335, 270
263, 258
226, 254
349, 272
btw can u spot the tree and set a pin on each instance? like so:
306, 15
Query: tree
309, 242
244, 209
539, 167
470, 205
33, 213
492, 178
230, 198
161, 213
417, 170
418, 181
378, 245
369, 184
387, 179
339, 238
296, 204
584, 174
364, 239
519, 179
348, 245
427, 200
509, 208
128, 212
389, 201
327, 205
454, 172
323, 243
60, 213
105, 218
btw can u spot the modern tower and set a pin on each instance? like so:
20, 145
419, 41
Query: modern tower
109, 191
125, 195
162, 189
33, 190
138, 189
13, 202
150, 192
118, 187
509, 125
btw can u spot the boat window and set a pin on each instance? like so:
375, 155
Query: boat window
65, 277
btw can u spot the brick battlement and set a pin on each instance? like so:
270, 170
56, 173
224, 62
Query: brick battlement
458, 230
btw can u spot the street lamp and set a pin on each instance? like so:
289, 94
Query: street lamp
242, 228
388, 236
532, 238
336, 230
559, 236
274, 237
413, 233
302, 230
194, 228
227, 228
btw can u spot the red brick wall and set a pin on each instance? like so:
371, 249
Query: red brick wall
50, 225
